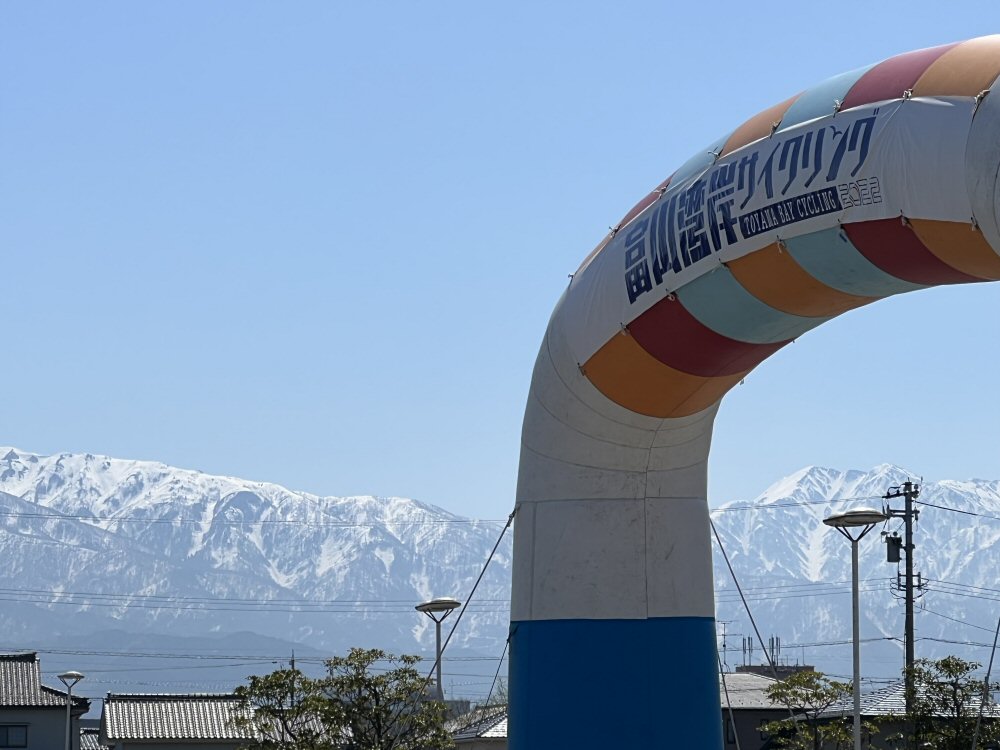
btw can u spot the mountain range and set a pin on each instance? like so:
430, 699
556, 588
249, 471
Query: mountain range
796, 572
182, 570
101, 550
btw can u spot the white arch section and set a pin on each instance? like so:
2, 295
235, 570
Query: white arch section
612, 637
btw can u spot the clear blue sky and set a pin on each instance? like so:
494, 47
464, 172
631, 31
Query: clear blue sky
317, 243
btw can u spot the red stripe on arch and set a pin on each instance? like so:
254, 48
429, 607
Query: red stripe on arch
896, 249
645, 203
676, 338
889, 79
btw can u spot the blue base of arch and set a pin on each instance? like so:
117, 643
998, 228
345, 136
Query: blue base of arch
602, 684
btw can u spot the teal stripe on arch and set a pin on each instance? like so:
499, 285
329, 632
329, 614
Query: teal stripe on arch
820, 100
700, 162
830, 257
721, 303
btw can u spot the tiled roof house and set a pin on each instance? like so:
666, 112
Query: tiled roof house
482, 729
886, 707
172, 720
33, 715
890, 701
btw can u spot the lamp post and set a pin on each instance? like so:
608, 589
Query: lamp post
864, 519
69, 679
437, 610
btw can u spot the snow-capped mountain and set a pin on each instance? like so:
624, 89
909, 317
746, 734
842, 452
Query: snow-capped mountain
796, 572
96, 545
91, 542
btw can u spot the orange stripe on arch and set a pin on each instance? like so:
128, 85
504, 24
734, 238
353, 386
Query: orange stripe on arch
964, 70
631, 377
759, 126
961, 246
775, 278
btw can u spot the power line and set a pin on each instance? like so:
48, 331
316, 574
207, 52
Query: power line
798, 504
216, 521
954, 619
958, 510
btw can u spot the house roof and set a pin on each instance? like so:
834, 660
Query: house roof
21, 685
891, 701
173, 717
747, 690
89, 739
488, 722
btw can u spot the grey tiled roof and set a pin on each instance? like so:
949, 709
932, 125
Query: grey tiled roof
890, 701
172, 717
21, 684
483, 723
89, 739
746, 690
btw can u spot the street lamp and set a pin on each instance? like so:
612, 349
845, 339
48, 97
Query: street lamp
864, 519
437, 610
69, 679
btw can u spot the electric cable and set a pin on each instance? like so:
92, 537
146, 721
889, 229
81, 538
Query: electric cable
437, 659
746, 607
496, 676
216, 521
798, 504
986, 688
729, 704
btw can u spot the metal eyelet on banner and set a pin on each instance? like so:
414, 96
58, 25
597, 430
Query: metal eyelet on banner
979, 99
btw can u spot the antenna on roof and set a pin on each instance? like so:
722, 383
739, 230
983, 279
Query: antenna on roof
723, 623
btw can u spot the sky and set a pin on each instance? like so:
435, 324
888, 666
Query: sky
317, 243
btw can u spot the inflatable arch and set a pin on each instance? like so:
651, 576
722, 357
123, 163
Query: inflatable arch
876, 182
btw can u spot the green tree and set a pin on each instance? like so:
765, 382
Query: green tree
368, 700
809, 695
946, 705
282, 710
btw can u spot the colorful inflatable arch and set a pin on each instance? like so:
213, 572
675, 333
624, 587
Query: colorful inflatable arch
876, 182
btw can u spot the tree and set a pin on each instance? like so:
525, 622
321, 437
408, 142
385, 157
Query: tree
282, 709
809, 695
368, 700
946, 705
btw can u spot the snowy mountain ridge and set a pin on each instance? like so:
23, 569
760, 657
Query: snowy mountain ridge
98, 544
131, 530
796, 571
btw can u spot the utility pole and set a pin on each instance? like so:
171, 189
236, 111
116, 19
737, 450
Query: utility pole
909, 492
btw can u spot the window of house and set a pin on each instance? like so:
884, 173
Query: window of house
14, 735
